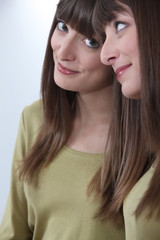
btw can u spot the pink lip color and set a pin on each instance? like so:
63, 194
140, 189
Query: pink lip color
119, 71
65, 71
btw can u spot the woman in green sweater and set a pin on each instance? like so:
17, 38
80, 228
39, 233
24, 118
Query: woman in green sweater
131, 47
62, 138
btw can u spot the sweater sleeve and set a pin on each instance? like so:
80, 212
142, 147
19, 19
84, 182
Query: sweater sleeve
15, 220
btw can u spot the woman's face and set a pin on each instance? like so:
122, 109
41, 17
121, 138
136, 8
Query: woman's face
77, 61
120, 50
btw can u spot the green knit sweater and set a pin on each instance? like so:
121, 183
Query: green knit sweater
140, 228
58, 209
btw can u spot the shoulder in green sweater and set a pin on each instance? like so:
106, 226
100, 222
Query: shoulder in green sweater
58, 209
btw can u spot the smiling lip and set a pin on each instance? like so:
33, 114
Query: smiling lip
65, 71
119, 71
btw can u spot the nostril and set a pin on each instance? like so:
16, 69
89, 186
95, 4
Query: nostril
107, 61
111, 60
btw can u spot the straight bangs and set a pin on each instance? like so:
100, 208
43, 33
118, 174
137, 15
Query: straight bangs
105, 11
78, 14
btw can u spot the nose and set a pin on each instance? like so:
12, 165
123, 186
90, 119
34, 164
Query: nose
67, 51
109, 51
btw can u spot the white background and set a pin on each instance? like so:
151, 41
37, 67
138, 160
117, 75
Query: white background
24, 29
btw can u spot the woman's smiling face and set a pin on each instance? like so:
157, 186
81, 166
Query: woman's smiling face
120, 50
77, 61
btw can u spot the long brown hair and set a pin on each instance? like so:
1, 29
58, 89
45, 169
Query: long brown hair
58, 104
134, 138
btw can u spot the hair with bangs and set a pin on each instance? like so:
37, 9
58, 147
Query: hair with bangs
58, 104
105, 12
133, 121
78, 14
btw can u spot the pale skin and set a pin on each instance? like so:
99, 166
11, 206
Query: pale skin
78, 68
120, 50
90, 126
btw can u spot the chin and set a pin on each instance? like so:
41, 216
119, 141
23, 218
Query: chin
132, 94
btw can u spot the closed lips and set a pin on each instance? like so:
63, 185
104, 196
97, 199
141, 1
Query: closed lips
65, 70
120, 69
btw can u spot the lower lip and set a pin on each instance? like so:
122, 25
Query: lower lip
122, 72
64, 70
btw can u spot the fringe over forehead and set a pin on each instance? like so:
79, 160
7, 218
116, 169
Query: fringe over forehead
105, 11
78, 14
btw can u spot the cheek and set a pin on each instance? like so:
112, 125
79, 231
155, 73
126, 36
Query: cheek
103, 70
92, 63
134, 45
53, 40
131, 43
136, 62
97, 68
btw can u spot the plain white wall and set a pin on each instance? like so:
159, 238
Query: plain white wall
24, 29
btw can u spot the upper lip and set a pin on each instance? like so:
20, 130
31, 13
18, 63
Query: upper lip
119, 69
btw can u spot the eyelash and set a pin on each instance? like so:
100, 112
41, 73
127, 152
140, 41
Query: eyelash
85, 40
64, 25
94, 41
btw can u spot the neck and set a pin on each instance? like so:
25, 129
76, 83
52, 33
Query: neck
94, 107
91, 122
